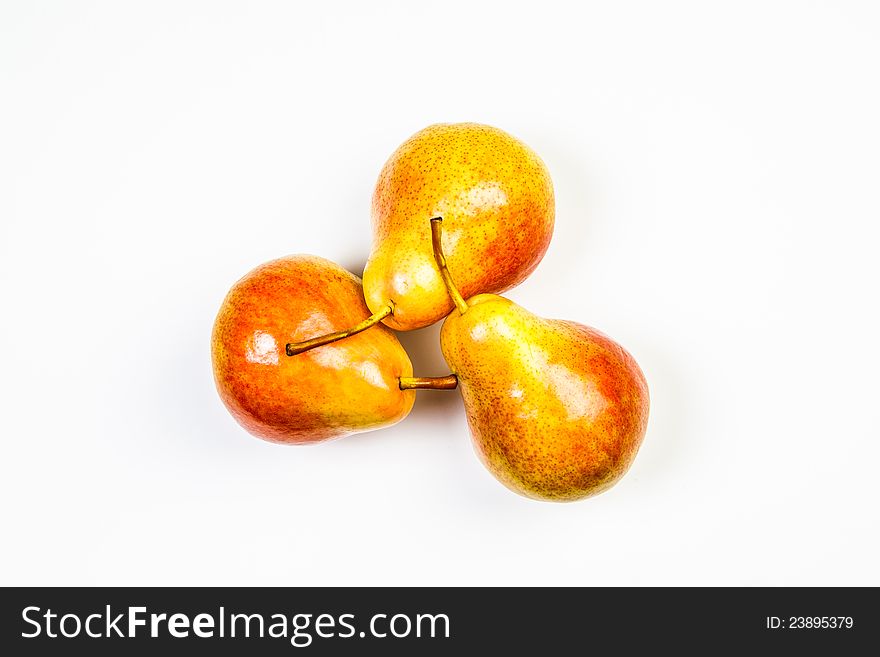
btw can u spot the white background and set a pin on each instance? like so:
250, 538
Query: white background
716, 169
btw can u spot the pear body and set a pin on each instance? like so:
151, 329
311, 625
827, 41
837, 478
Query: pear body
557, 410
342, 388
496, 200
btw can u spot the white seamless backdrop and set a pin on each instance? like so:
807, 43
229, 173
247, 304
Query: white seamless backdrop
716, 169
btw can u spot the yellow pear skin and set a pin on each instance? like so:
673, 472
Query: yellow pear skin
557, 410
496, 200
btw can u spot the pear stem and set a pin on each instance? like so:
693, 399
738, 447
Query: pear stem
294, 348
428, 382
440, 259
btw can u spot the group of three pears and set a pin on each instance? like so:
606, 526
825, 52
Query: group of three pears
303, 351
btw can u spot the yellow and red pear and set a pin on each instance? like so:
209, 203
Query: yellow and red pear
496, 200
342, 388
557, 410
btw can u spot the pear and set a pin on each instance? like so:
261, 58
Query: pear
496, 199
343, 388
557, 410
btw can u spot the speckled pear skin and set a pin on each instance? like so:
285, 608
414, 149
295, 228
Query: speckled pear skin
343, 388
557, 410
496, 200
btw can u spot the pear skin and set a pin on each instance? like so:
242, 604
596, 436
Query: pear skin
496, 200
342, 388
557, 410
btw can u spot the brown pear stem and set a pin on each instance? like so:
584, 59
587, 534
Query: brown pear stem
294, 348
440, 259
428, 382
